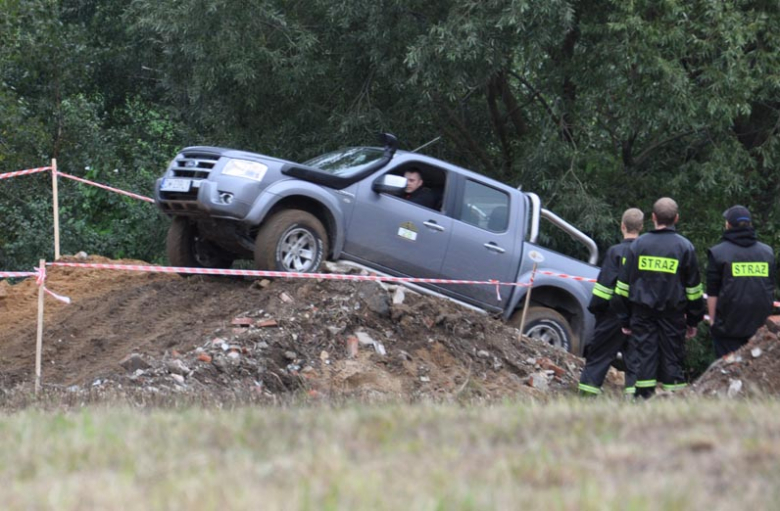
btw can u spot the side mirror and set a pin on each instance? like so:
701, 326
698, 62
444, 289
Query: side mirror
389, 183
390, 142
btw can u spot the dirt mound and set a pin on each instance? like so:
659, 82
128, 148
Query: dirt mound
163, 334
753, 370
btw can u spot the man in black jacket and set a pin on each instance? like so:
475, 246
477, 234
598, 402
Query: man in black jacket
740, 283
416, 191
608, 339
660, 301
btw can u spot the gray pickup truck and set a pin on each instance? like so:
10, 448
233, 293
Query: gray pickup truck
348, 205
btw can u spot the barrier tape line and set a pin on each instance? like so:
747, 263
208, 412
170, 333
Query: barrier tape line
565, 276
15, 274
39, 280
17, 173
106, 187
281, 274
54, 295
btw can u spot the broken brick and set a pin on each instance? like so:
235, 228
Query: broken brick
205, 357
546, 363
242, 321
773, 324
266, 323
352, 346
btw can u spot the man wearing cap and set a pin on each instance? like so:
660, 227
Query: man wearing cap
659, 300
740, 283
608, 339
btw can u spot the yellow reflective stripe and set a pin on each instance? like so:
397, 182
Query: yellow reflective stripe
589, 389
621, 288
694, 293
750, 269
674, 386
602, 291
630, 390
643, 384
661, 264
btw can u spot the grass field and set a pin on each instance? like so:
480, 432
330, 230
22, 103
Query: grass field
569, 454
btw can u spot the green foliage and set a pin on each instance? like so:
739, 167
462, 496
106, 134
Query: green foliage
699, 353
596, 106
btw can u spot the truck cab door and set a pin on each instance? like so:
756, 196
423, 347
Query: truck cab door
395, 235
485, 244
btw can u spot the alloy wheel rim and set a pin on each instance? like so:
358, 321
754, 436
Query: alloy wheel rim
298, 250
546, 334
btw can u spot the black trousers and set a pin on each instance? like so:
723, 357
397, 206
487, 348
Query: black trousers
607, 341
658, 348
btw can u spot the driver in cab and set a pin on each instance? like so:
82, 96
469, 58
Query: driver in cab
416, 191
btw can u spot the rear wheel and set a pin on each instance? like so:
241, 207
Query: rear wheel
186, 247
292, 240
546, 325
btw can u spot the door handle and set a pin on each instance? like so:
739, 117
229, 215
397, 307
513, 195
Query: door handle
494, 248
433, 225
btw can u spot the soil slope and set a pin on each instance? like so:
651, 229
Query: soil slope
164, 334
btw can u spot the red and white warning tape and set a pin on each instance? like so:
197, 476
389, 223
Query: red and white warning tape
40, 279
106, 187
17, 173
564, 276
15, 274
23, 172
282, 274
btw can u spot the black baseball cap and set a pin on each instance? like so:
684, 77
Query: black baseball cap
736, 214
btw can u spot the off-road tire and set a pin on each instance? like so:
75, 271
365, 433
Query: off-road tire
291, 240
546, 325
185, 247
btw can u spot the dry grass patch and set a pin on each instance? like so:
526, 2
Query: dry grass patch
567, 454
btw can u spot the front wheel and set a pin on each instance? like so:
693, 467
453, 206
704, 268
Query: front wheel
546, 325
188, 248
293, 241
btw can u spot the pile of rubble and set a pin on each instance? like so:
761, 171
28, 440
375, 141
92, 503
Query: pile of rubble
751, 371
361, 339
321, 339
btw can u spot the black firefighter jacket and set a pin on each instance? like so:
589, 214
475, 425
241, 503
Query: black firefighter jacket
604, 289
660, 277
740, 272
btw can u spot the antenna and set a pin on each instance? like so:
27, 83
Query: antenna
427, 144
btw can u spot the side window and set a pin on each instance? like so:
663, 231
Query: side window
484, 207
426, 185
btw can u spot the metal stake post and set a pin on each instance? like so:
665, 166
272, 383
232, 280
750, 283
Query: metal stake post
527, 300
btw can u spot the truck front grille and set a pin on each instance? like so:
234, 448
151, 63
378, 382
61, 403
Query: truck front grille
194, 165
190, 165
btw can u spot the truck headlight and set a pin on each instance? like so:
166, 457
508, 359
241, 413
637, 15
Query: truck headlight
246, 169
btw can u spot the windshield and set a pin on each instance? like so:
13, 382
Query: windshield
346, 162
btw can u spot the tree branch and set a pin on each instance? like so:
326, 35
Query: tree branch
463, 132
644, 155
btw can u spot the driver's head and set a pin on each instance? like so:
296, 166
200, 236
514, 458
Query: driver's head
413, 180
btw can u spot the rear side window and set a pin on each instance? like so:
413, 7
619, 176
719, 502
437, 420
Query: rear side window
484, 207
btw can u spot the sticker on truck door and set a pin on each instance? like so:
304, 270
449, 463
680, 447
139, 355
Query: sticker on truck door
408, 231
